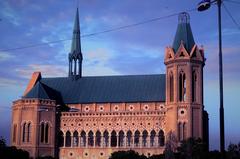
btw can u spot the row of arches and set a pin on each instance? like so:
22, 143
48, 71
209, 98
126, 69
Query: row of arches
112, 139
75, 66
182, 86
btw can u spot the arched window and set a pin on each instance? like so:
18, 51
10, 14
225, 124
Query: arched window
42, 132
14, 133
182, 86
83, 139
171, 85
68, 139
194, 86
182, 131
98, 138
105, 138
136, 138
129, 138
113, 139
121, 138
144, 138
161, 138
90, 139
24, 132
28, 132
60, 139
152, 138
46, 133
75, 139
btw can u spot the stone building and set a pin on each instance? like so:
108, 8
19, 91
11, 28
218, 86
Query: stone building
91, 117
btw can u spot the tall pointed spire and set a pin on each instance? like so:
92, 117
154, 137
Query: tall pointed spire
75, 56
184, 33
76, 41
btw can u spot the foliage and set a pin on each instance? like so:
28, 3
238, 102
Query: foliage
46, 157
171, 146
126, 155
233, 151
2, 142
192, 149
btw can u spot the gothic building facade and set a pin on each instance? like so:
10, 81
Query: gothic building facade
81, 117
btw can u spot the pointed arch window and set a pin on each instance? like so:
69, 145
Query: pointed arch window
171, 85
28, 132
14, 132
42, 132
46, 132
68, 139
182, 87
182, 131
161, 138
24, 132
194, 86
60, 139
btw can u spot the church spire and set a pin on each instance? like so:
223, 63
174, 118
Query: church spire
184, 33
75, 56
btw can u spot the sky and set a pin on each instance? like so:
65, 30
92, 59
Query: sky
134, 50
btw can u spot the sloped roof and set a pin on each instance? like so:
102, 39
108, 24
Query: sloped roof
102, 89
38, 91
183, 34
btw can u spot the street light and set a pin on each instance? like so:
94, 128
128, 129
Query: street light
202, 6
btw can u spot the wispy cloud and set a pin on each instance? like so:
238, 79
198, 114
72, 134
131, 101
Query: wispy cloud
9, 14
47, 70
5, 56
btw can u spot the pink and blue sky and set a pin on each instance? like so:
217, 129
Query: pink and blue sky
136, 50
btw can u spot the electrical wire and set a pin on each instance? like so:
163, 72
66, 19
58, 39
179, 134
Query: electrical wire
100, 32
231, 16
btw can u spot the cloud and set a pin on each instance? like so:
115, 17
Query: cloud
9, 14
7, 82
46, 70
5, 56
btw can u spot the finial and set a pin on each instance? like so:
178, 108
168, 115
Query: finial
183, 17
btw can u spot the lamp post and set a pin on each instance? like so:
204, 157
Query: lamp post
204, 5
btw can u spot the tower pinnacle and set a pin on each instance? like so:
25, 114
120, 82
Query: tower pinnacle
75, 56
184, 33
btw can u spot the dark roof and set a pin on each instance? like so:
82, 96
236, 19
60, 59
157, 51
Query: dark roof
38, 91
101, 89
184, 33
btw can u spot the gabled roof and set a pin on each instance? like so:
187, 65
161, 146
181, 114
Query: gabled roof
102, 89
184, 33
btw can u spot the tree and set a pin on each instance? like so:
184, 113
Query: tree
233, 151
193, 149
171, 146
126, 155
2, 142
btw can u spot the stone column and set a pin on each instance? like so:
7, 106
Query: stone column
102, 141
79, 141
117, 140
86, 141
109, 141
125, 138
72, 141
64, 140
94, 141
140, 141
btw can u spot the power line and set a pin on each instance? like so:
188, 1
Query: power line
100, 32
230, 15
